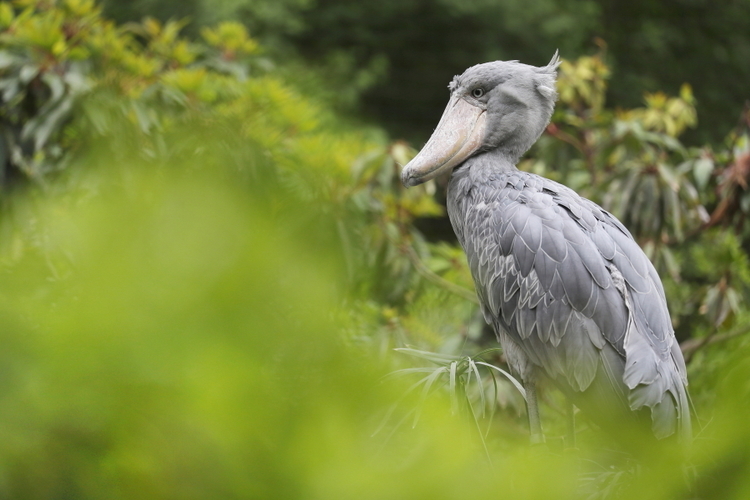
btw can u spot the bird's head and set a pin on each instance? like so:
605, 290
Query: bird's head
497, 105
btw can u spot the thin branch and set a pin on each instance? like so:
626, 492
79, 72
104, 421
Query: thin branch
701, 343
560, 134
689, 347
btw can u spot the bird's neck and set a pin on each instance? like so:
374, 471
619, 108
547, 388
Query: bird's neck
487, 165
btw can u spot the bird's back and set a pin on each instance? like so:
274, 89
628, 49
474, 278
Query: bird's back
567, 283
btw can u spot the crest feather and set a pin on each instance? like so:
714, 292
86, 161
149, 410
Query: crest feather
551, 66
545, 82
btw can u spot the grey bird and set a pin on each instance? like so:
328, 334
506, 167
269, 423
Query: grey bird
567, 290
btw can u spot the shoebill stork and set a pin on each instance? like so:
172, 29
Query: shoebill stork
567, 290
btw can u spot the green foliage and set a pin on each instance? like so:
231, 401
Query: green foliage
203, 297
173, 336
188, 352
124, 381
55, 57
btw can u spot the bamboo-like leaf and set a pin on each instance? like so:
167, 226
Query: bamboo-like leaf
430, 356
473, 368
676, 213
409, 371
507, 375
384, 420
395, 427
669, 176
711, 304
733, 299
627, 193
493, 406
673, 268
479, 430
452, 386
418, 383
428, 381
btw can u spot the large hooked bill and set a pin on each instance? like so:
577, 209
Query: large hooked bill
458, 135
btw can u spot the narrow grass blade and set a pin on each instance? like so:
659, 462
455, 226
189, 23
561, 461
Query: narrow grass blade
385, 419
483, 402
407, 371
428, 381
494, 403
454, 396
430, 356
507, 375
479, 430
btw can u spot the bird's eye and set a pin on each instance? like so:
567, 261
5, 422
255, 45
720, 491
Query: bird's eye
477, 93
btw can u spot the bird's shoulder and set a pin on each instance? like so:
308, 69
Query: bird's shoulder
543, 196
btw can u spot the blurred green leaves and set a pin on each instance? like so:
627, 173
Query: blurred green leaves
203, 297
190, 352
55, 55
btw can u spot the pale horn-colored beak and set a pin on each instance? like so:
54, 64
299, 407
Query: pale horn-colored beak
458, 135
